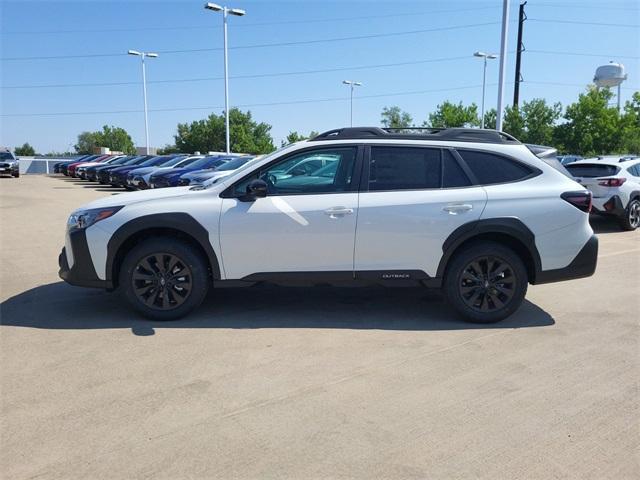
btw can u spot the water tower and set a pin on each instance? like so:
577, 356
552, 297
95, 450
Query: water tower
611, 75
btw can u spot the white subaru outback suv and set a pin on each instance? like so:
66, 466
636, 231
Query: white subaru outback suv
473, 212
615, 185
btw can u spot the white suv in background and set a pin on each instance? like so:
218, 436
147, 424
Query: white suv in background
473, 212
615, 185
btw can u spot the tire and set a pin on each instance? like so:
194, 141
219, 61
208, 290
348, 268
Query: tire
631, 219
160, 295
479, 296
15, 175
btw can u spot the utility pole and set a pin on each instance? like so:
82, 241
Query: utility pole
503, 62
520, 48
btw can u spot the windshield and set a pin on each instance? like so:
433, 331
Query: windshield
6, 156
152, 161
233, 164
203, 162
120, 161
187, 161
171, 161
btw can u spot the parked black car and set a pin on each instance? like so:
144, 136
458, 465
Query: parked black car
118, 176
90, 172
9, 164
103, 172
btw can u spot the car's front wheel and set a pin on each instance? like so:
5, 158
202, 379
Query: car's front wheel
164, 279
486, 282
631, 220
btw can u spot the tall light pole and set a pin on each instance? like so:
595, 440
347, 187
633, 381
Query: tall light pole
503, 62
142, 56
484, 56
352, 85
225, 12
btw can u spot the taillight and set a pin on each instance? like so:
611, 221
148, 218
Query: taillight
612, 182
580, 200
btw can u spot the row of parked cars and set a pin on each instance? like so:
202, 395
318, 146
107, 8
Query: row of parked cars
141, 172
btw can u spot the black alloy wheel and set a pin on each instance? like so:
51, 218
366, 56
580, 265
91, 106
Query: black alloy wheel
487, 284
162, 281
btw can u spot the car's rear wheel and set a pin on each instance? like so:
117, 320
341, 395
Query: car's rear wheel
631, 220
486, 282
164, 279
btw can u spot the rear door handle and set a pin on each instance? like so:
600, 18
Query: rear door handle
456, 208
337, 212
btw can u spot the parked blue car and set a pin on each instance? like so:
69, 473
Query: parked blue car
172, 177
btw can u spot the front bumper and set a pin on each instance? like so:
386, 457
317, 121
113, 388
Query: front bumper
583, 265
82, 273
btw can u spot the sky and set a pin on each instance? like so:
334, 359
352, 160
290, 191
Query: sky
287, 61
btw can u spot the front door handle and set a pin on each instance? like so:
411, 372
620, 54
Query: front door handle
337, 212
456, 208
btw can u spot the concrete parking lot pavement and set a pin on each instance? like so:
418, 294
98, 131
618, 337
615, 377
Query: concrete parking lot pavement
309, 383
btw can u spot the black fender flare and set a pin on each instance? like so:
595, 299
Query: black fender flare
506, 226
180, 221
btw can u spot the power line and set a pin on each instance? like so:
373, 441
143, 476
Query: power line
304, 72
582, 5
258, 75
292, 102
581, 54
575, 22
266, 45
244, 25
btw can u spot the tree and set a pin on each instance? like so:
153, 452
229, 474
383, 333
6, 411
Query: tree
114, 138
490, 119
630, 125
513, 123
206, 135
592, 126
117, 139
87, 142
294, 137
539, 121
449, 115
25, 150
167, 149
393, 117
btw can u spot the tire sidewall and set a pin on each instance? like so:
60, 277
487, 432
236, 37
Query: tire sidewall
626, 220
455, 270
186, 252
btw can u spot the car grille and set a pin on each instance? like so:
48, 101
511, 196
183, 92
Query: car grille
5, 165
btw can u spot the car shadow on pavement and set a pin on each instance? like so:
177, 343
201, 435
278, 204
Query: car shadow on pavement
602, 224
60, 306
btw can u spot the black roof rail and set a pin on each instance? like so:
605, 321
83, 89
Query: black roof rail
418, 133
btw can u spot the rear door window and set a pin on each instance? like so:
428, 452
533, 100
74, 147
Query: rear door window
592, 170
489, 168
404, 168
452, 173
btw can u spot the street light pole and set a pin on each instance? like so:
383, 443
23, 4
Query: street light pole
225, 12
484, 57
352, 85
142, 56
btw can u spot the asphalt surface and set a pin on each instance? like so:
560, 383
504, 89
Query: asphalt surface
309, 383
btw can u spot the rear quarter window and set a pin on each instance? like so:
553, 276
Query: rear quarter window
592, 170
489, 168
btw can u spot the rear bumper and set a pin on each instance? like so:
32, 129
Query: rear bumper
82, 273
611, 206
583, 265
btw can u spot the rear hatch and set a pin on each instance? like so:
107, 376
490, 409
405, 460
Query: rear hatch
590, 174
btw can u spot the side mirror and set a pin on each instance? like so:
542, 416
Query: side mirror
256, 189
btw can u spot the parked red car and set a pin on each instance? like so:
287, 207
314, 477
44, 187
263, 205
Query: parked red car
71, 169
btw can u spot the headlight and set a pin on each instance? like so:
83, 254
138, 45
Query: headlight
85, 218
